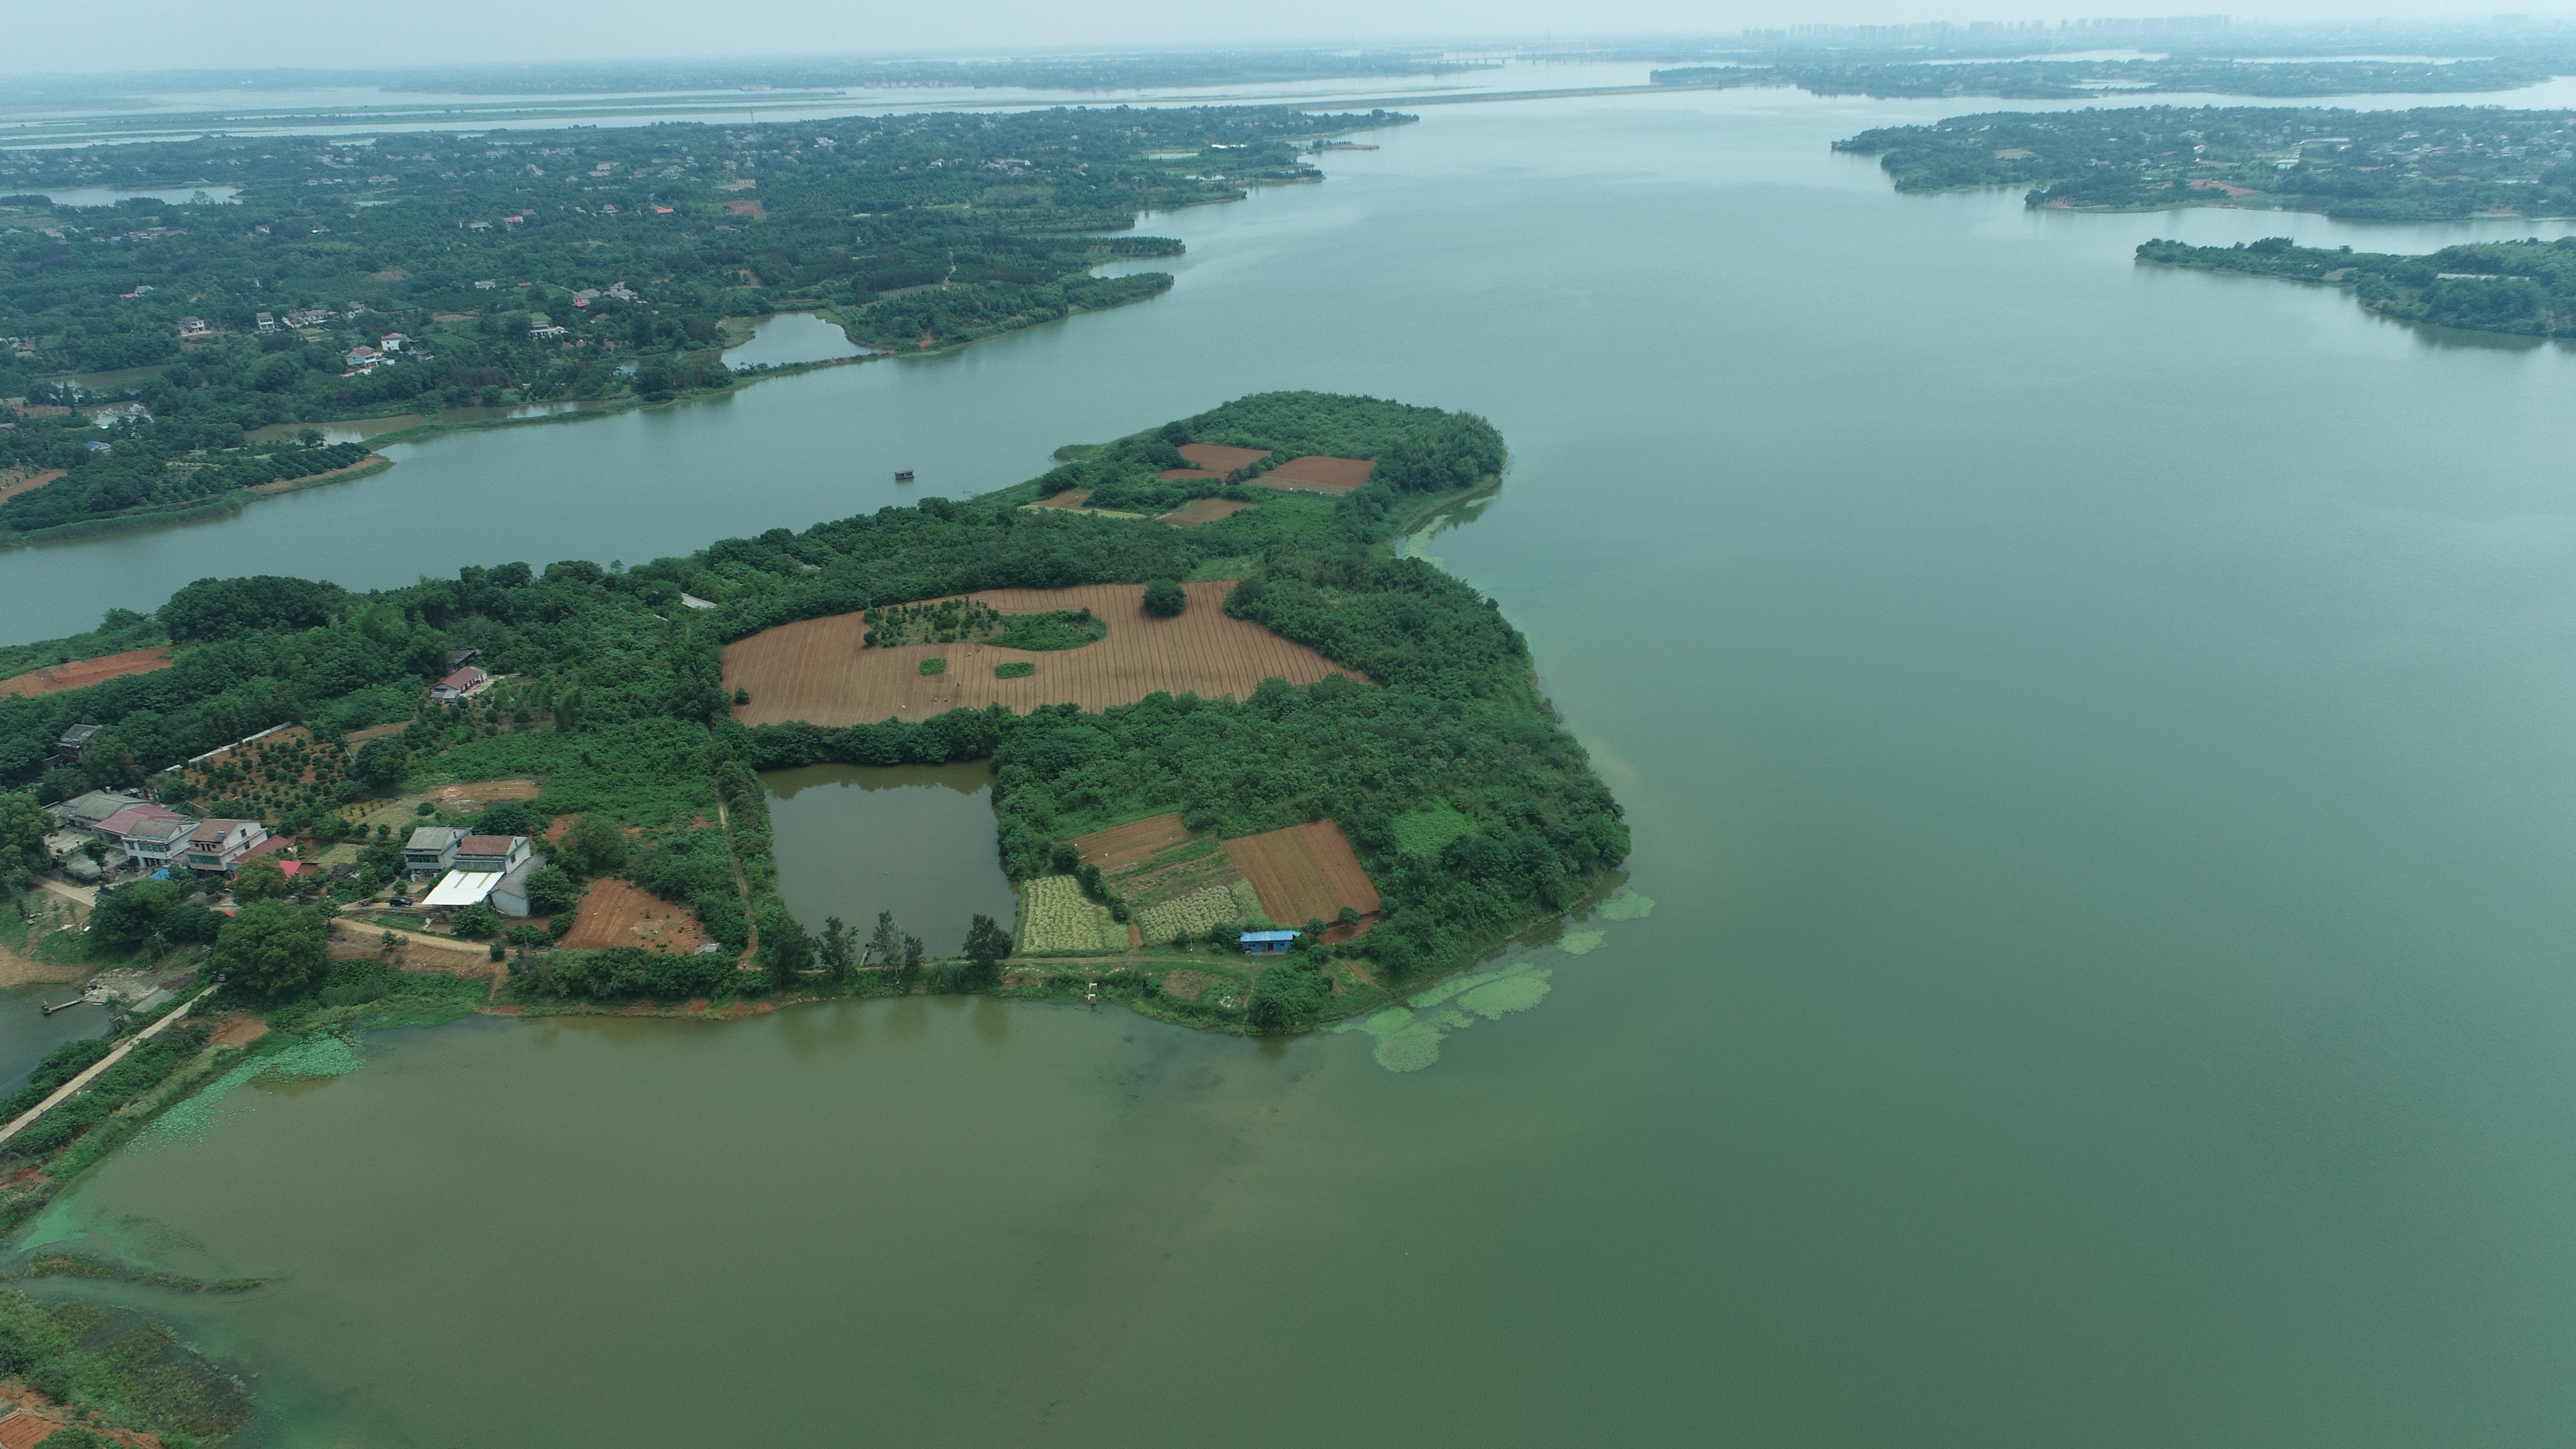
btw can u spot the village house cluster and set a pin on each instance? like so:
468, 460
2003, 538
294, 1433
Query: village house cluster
104, 835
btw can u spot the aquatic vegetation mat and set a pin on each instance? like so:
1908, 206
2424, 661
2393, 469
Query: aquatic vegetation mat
1627, 905
312, 1059
1409, 1036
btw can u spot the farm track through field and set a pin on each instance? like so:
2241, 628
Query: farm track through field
816, 670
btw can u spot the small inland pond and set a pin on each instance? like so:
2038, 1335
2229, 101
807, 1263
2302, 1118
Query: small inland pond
917, 840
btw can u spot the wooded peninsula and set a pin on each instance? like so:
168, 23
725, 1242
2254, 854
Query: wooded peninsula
2527, 288
2429, 164
1415, 774
419, 271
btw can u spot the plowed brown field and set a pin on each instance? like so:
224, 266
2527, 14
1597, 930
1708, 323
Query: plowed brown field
816, 671
1205, 510
55, 678
613, 914
1121, 846
1069, 498
1303, 872
1222, 458
28, 485
1316, 473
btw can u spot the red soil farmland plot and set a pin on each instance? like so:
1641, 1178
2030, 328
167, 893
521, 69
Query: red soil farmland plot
1222, 458
1121, 846
1205, 510
1318, 474
80, 673
1069, 498
614, 913
816, 671
29, 485
1303, 872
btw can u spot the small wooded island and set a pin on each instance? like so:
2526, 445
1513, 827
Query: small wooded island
1224, 708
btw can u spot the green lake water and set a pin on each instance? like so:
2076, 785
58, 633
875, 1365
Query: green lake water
2096, 740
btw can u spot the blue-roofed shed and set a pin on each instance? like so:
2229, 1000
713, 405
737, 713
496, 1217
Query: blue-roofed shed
1262, 943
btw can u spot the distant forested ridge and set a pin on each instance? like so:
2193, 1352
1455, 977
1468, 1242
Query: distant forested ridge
425, 270
2428, 164
614, 696
2523, 287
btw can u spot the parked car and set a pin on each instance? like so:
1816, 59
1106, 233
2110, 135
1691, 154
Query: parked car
399, 900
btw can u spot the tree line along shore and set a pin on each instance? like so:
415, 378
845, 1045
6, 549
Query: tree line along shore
2444, 163
1416, 799
141, 343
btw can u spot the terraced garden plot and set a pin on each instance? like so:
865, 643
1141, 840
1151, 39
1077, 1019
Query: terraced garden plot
815, 670
1056, 916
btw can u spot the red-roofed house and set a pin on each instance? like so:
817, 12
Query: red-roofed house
148, 833
463, 684
491, 852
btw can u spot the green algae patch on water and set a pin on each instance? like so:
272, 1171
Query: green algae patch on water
1627, 905
1581, 943
312, 1059
1409, 1036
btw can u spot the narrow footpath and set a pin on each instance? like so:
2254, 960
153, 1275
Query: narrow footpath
76, 1085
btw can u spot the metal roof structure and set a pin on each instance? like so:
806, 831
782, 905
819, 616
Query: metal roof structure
461, 888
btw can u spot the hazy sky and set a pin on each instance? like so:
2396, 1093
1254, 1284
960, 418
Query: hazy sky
150, 34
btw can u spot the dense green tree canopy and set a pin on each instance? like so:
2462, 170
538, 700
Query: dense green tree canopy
274, 949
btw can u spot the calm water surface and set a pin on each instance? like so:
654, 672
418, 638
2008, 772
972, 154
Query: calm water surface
787, 337
2097, 738
917, 840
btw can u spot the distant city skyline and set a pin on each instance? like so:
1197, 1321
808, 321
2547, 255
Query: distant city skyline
267, 34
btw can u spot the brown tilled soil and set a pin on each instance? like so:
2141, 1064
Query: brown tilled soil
1121, 846
29, 485
614, 913
81, 673
746, 208
1303, 872
475, 797
1221, 458
1172, 474
1069, 498
817, 672
1316, 473
240, 1033
1205, 510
